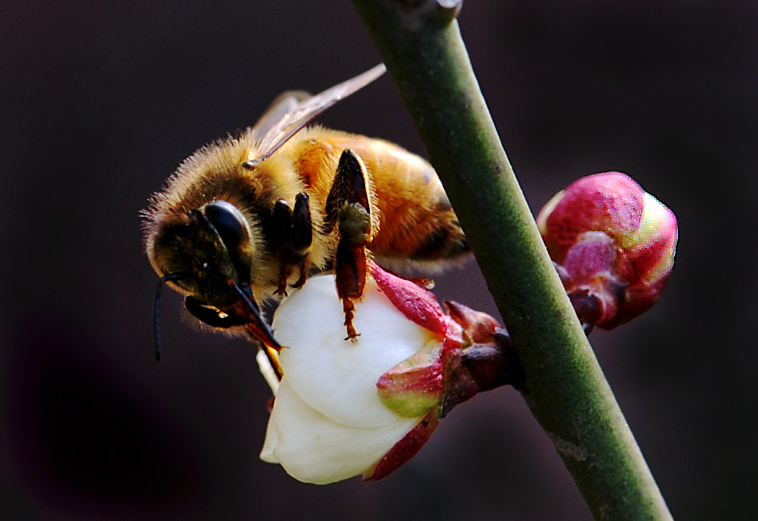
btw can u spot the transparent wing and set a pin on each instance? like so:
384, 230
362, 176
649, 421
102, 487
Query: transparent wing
284, 103
293, 110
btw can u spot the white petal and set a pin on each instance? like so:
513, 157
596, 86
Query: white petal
338, 377
272, 439
314, 449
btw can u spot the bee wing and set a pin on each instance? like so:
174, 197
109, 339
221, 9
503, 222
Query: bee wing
293, 110
283, 104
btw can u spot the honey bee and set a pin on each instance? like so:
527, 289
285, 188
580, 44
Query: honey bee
246, 218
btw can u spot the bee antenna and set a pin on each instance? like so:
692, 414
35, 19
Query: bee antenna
157, 310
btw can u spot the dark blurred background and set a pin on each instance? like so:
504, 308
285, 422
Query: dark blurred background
99, 102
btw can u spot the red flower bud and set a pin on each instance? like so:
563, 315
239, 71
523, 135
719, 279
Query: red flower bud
613, 245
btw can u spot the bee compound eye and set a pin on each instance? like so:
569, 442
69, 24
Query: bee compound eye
229, 223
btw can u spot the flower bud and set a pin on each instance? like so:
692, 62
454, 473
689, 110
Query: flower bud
367, 406
613, 245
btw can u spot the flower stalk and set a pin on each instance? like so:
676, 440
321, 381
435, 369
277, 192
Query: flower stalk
422, 48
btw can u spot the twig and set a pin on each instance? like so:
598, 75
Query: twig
421, 45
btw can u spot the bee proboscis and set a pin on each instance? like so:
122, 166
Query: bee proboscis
247, 218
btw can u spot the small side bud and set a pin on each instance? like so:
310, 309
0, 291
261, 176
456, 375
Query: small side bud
613, 245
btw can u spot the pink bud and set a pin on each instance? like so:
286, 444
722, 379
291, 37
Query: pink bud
613, 245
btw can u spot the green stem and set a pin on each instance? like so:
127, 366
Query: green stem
568, 394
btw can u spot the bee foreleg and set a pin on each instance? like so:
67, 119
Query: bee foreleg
281, 221
302, 235
302, 227
348, 207
294, 235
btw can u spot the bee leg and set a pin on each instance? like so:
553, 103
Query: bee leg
302, 236
349, 308
348, 207
350, 269
281, 221
294, 235
303, 276
424, 282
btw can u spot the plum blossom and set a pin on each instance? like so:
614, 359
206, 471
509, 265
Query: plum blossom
345, 408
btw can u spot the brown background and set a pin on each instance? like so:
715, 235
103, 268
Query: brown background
99, 101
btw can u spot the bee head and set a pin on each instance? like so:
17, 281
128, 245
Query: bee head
210, 248
207, 254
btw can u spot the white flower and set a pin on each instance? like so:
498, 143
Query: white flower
367, 406
328, 422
